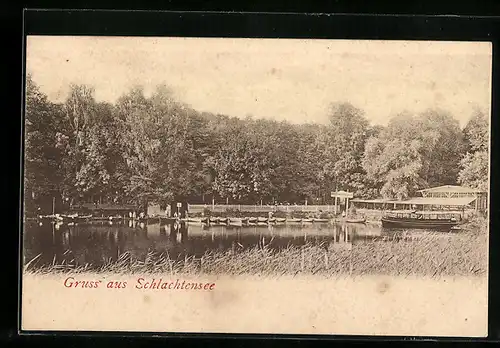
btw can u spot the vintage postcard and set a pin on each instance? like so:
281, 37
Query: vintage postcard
263, 186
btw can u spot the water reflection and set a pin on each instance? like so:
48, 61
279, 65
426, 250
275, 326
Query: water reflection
97, 243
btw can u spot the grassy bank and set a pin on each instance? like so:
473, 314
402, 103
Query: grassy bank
425, 253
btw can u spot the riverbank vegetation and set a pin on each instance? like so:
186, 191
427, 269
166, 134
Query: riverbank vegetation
399, 254
155, 148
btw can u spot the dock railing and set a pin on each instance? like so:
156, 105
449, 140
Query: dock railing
220, 208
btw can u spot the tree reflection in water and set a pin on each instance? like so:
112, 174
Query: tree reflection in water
97, 243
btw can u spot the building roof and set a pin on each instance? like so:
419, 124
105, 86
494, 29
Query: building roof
423, 201
371, 200
451, 188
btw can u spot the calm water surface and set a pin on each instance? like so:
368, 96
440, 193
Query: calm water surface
96, 243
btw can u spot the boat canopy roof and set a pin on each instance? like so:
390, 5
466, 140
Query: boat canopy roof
451, 188
462, 201
420, 212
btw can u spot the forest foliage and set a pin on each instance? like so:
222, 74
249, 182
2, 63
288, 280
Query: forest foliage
157, 149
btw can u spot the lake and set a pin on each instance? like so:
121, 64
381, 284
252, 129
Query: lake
98, 243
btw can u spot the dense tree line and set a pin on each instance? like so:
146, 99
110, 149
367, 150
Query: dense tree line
156, 149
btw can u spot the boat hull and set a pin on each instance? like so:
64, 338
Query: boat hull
418, 224
353, 221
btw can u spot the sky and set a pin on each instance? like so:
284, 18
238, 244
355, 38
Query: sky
283, 79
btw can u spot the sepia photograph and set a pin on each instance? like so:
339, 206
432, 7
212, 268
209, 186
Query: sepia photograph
278, 186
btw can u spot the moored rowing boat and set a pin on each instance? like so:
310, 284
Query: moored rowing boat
355, 221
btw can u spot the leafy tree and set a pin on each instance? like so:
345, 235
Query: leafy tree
164, 146
157, 149
474, 172
392, 160
90, 137
476, 132
232, 165
474, 166
442, 147
341, 146
414, 152
42, 157
310, 175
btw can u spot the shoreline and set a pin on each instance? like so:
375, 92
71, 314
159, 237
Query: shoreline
428, 255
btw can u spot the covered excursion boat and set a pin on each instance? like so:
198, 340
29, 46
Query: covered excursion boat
421, 220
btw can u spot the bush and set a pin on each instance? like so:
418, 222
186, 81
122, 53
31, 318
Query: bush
280, 214
325, 215
233, 213
352, 210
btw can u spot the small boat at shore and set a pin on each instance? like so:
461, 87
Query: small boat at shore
197, 220
235, 222
117, 217
261, 219
293, 220
280, 219
431, 220
356, 221
307, 220
321, 220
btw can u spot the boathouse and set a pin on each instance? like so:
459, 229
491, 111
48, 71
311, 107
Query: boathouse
448, 197
478, 199
168, 210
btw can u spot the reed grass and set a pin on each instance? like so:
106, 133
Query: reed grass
402, 254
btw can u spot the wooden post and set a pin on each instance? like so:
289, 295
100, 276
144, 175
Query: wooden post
335, 206
346, 206
53, 205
